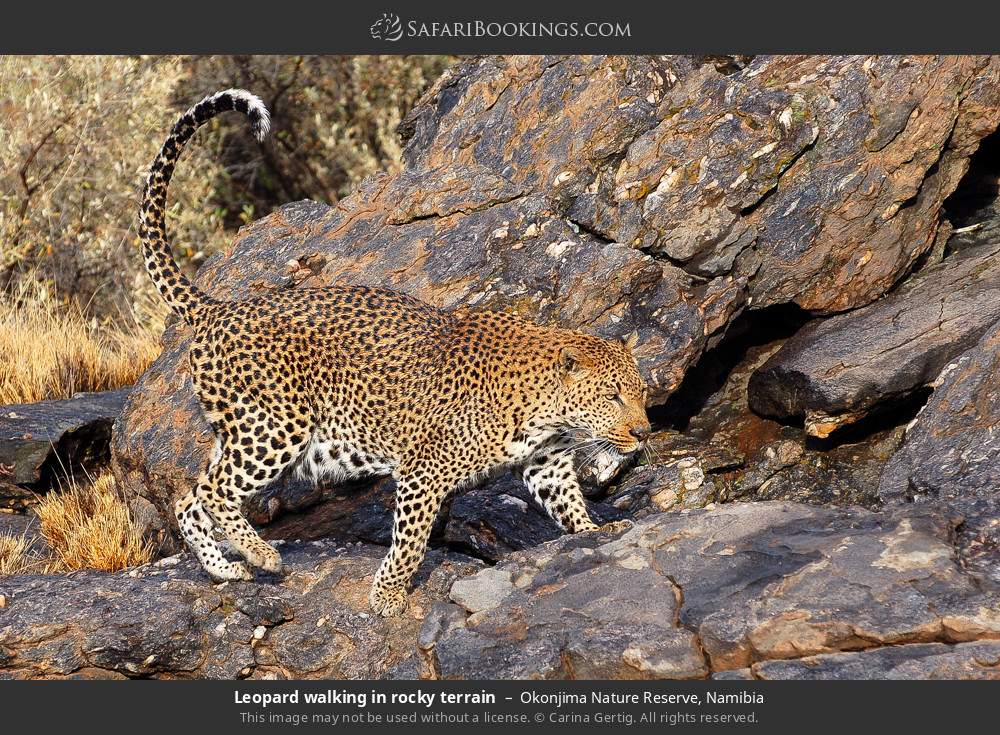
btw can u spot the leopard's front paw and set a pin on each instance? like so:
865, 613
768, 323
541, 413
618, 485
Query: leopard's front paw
387, 601
266, 557
231, 571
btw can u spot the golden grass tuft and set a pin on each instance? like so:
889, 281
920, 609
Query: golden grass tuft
16, 556
51, 350
88, 526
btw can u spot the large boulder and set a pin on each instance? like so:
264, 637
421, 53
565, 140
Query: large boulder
835, 371
45, 442
663, 194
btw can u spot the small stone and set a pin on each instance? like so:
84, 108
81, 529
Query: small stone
483, 591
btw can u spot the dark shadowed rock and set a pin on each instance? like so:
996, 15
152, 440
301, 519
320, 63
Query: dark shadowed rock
672, 485
491, 521
836, 371
487, 522
40, 442
168, 620
952, 449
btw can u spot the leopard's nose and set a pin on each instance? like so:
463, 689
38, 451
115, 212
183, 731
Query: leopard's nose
640, 432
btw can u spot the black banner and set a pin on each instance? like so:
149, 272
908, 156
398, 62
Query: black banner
452, 27
578, 707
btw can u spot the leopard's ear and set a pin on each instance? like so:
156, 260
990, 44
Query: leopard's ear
632, 341
571, 361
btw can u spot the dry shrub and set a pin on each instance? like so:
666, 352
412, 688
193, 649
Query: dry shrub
51, 350
88, 526
334, 122
78, 132
16, 556
76, 136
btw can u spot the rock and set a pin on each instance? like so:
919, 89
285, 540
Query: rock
360, 511
973, 210
836, 371
843, 475
568, 615
703, 592
770, 461
952, 448
663, 447
484, 591
851, 140
977, 537
727, 593
977, 660
172, 622
672, 485
41, 442
613, 194
19, 524
26, 526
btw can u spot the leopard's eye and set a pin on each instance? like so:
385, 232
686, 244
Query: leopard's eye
616, 398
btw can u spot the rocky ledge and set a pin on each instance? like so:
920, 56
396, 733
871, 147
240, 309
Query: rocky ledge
762, 590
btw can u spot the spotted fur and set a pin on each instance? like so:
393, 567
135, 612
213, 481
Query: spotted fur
348, 381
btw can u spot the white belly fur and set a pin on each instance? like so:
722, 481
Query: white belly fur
336, 461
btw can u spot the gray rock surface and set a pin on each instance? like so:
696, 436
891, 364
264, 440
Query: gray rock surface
718, 590
167, 620
952, 449
724, 592
976, 660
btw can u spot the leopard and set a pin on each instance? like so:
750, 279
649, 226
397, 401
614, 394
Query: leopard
348, 381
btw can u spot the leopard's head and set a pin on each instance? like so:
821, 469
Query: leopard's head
602, 392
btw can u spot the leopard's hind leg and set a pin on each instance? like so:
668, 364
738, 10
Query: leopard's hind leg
252, 453
196, 525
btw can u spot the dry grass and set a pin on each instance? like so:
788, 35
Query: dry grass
51, 350
16, 556
88, 526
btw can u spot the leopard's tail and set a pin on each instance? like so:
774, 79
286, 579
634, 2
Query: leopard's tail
180, 294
